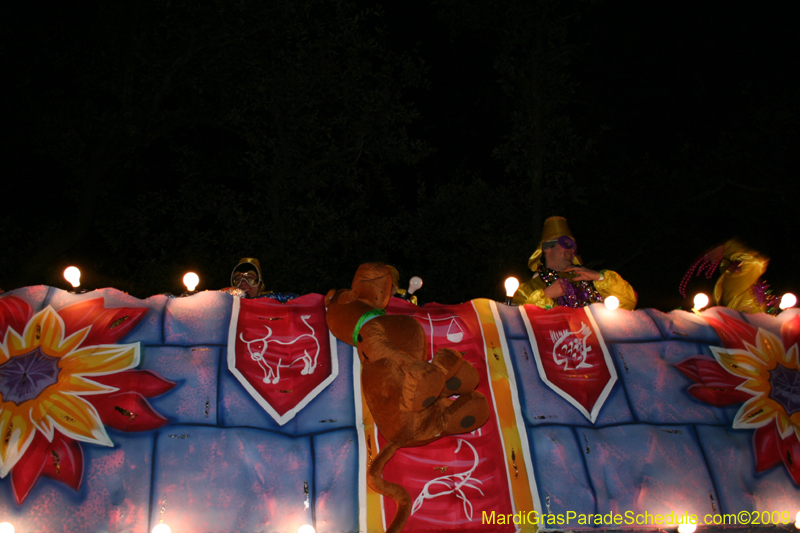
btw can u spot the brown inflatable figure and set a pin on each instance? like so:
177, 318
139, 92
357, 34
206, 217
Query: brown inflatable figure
409, 397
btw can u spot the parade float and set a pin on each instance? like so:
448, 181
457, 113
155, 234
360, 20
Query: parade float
212, 413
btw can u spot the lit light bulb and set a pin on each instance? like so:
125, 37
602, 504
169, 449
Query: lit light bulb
73, 275
612, 302
788, 300
414, 285
162, 528
700, 301
305, 528
687, 528
512, 284
797, 520
191, 280
5, 527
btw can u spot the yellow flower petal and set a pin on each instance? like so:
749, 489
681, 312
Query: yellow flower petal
755, 386
42, 422
16, 434
77, 418
770, 347
755, 354
15, 344
74, 384
741, 363
46, 330
756, 412
105, 359
73, 341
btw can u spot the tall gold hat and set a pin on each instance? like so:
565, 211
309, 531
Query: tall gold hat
554, 227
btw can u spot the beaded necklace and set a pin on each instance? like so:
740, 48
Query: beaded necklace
576, 293
765, 298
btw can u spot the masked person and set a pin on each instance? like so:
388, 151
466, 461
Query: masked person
246, 282
559, 279
246, 276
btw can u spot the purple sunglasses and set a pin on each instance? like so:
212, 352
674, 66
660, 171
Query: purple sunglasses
565, 242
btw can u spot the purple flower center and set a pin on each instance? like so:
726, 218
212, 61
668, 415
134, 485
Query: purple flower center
785, 388
22, 378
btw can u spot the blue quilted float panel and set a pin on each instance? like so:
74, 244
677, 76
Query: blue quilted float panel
657, 390
202, 318
660, 469
196, 371
682, 326
232, 479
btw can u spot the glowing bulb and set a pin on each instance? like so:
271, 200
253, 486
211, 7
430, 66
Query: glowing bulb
512, 284
73, 275
305, 528
687, 528
162, 528
5, 527
414, 285
700, 300
788, 300
797, 520
612, 302
191, 280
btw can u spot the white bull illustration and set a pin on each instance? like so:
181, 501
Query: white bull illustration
272, 374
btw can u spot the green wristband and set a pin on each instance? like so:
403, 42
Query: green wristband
366, 317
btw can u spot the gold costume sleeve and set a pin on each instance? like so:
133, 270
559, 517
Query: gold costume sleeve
612, 284
400, 292
733, 286
532, 292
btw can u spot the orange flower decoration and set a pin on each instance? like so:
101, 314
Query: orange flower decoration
62, 379
772, 377
763, 371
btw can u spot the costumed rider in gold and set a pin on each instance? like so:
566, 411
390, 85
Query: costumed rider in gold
739, 286
247, 282
559, 279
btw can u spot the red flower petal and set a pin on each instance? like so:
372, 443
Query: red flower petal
732, 332
108, 325
702, 369
718, 396
145, 382
126, 411
15, 313
61, 460
790, 454
765, 447
26, 472
64, 461
790, 331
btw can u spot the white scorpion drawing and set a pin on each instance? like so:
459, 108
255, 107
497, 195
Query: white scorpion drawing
274, 375
452, 484
574, 349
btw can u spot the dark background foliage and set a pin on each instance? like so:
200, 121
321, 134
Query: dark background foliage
145, 139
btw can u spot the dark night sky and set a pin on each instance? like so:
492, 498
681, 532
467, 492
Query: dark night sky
682, 105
